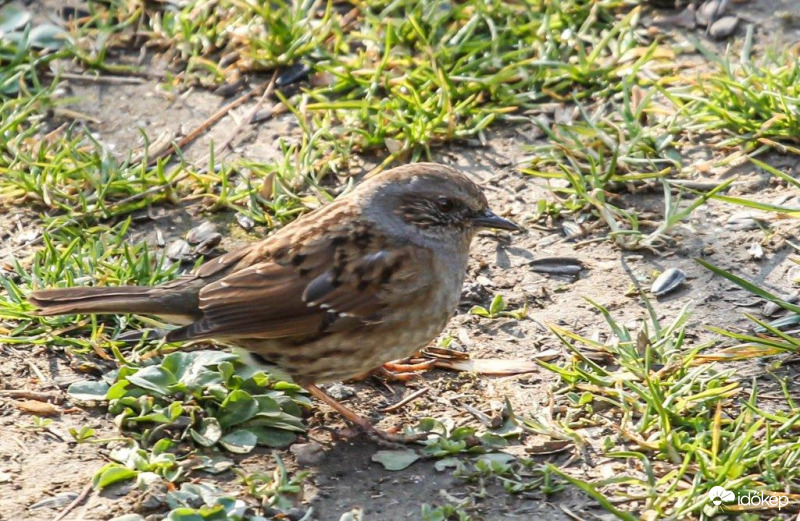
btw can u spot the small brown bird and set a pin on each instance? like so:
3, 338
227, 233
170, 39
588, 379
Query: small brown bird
372, 277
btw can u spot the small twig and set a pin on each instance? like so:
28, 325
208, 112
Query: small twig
250, 115
346, 22
113, 80
75, 115
203, 127
37, 371
191, 136
411, 397
40, 396
570, 514
485, 420
78, 500
153, 189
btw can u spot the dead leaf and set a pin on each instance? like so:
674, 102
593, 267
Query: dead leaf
496, 366
38, 408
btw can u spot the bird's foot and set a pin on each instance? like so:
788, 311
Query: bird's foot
381, 437
397, 371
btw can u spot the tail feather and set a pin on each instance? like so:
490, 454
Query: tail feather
123, 299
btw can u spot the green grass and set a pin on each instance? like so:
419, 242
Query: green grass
597, 156
753, 101
679, 421
410, 76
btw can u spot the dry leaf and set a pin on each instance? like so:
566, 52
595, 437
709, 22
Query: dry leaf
495, 366
38, 408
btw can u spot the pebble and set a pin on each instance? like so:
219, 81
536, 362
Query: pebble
474, 292
723, 27
755, 251
307, 454
340, 392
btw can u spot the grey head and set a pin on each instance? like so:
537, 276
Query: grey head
428, 203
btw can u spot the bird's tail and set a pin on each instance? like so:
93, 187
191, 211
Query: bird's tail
122, 299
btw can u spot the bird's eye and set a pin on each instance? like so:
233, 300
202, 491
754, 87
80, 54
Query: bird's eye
445, 205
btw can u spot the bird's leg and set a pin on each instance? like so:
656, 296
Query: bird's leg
361, 422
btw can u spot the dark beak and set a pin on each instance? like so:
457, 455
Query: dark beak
488, 219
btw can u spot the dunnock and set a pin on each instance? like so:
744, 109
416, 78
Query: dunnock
372, 277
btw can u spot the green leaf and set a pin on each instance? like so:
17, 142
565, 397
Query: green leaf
238, 407
446, 463
201, 514
118, 390
47, 36
12, 17
153, 378
111, 473
267, 406
216, 464
592, 492
239, 442
209, 432
498, 457
275, 438
479, 310
88, 390
497, 305
752, 288
192, 369
395, 459
162, 446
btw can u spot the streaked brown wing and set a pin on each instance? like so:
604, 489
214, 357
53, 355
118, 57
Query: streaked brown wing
323, 285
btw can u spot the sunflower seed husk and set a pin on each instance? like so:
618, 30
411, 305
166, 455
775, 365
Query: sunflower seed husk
668, 281
179, 251
208, 245
723, 27
58, 501
201, 233
686, 18
573, 230
557, 265
245, 222
743, 221
771, 308
711, 11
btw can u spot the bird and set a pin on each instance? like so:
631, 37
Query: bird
371, 277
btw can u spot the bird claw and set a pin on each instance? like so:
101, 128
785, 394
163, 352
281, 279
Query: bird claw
397, 371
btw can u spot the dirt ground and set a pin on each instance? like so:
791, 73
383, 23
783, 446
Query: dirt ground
36, 465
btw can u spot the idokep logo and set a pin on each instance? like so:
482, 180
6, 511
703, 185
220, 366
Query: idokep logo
718, 495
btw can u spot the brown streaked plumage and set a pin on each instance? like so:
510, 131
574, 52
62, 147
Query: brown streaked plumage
369, 278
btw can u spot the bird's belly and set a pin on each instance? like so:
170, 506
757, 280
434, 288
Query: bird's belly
343, 355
